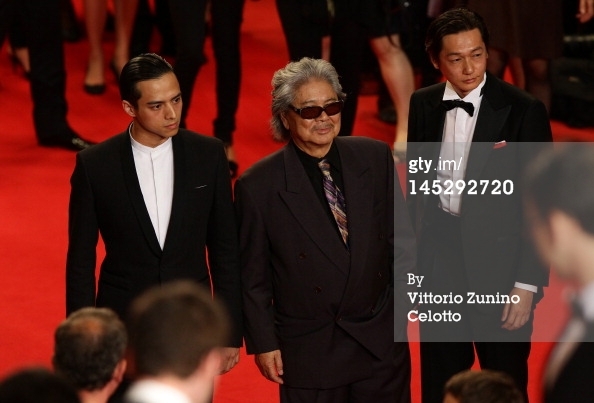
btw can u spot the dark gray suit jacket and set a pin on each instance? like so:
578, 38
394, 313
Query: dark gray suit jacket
329, 310
106, 199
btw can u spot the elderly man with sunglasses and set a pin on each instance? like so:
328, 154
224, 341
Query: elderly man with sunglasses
323, 234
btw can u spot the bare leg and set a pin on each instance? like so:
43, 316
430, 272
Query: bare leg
125, 11
95, 16
398, 75
537, 80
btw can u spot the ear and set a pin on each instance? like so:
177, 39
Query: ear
434, 62
564, 228
284, 120
120, 370
129, 109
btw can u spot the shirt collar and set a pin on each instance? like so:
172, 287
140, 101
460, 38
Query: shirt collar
586, 301
473, 96
166, 145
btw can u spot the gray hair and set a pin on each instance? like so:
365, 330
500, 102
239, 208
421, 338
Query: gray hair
287, 81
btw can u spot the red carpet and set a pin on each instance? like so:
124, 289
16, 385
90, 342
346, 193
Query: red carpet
34, 188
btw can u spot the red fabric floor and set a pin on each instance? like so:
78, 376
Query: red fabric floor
34, 189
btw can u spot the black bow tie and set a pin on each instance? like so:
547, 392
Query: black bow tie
458, 103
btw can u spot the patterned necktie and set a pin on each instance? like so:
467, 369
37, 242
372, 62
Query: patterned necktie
458, 103
335, 200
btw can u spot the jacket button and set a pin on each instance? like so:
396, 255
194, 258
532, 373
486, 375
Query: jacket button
302, 256
380, 236
379, 274
317, 290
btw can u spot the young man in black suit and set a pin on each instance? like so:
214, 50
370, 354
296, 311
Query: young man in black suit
324, 235
160, 197
472, 243
560, 204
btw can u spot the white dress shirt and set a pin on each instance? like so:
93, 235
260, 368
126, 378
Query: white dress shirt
149, 391
154, 168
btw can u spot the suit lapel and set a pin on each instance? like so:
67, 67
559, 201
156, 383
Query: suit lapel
359, 200
135, 194
305, 206
178, 203
493, 114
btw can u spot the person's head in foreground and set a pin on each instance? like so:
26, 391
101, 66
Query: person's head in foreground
36, 385
307, 100
176, 331
481, 387
559, 195
89, 349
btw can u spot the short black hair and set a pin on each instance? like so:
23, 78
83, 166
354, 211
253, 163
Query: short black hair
36, 385
147, 66
562, 178
453, 22
483, 387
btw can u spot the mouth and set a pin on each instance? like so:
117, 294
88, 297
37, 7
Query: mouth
172, 126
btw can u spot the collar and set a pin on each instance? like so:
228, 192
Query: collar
332, 156
473, 97
163, 147
585, 299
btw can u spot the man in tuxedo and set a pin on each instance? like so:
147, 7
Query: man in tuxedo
160, 197
560, 199
176, 332
324, 235
43, 31
89, 349
472, 241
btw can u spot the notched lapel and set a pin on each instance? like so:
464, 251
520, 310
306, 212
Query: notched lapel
305, 206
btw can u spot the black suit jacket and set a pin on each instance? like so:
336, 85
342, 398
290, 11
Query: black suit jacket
574, 382
496, 251
329, 310
106, 199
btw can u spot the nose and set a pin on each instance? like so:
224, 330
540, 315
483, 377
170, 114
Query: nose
468, 67
170, 112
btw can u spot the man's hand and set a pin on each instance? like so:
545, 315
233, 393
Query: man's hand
516, 315
229, 358
271, 365
585, 11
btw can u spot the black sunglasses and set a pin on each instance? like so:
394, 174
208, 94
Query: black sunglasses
312, 112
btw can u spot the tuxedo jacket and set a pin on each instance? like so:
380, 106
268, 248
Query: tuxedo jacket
106, 199
574, 382
511, 128
329, 309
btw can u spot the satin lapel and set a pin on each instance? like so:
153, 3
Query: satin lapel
135, 195
178, 204
430, 147
359, 198
493, 114
305, 206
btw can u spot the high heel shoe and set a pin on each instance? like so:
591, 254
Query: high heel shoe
94, 89
233, 168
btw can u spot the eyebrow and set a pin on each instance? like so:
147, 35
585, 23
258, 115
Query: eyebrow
160, 102
331, 99
459, 53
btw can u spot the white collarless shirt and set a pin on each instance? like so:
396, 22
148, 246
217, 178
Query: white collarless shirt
154, 168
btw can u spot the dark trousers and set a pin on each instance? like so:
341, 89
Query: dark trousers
390, 383
452, 346
227, 16
43, 36
306, 22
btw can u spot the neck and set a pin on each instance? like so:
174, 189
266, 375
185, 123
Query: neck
95, 396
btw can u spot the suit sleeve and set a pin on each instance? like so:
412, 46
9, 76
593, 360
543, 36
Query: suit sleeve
223, 249
256, 278
83, 234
